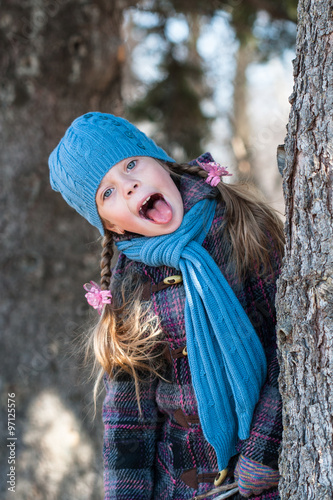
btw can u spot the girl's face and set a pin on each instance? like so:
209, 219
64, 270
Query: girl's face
138, 195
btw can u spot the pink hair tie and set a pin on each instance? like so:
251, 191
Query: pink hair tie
96, 297
215, 172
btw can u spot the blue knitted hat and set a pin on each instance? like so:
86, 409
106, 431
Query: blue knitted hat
93, 144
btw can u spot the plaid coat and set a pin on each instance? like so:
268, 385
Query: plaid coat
163, 455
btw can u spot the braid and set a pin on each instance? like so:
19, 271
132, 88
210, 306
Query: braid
106, 257
191, 169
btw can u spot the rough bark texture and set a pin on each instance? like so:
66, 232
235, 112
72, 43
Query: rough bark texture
305, 300
58, 59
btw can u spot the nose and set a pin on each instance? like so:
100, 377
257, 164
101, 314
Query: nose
130, 187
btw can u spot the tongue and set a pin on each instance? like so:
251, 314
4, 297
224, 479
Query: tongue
161, 212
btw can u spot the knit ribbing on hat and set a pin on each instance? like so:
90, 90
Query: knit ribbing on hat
92, 145
226, 357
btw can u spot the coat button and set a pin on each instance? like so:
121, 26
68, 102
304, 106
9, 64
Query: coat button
184, 351
220, 477
173, 280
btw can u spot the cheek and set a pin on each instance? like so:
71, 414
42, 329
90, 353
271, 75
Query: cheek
104, 214
111, 210
178, 198
169, 185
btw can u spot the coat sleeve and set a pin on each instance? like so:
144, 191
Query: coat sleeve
266, 428
263, 444
129, 439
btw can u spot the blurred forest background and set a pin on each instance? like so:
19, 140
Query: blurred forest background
198, 76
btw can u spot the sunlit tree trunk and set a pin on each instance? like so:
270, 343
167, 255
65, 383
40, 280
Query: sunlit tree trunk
305, 292
240, 122
59, 59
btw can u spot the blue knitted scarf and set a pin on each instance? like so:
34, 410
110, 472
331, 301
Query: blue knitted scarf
227, 360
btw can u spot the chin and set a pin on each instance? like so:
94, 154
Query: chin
172, 229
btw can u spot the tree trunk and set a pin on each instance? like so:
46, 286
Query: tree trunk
59, 59
240, 122
305, 318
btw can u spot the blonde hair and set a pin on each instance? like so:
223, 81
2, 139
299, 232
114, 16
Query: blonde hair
128, 337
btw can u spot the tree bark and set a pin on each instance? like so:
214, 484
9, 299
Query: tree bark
304, 302
59, 59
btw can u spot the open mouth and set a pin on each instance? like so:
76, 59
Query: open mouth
156, 209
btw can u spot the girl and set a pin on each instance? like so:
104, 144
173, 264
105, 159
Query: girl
186, 338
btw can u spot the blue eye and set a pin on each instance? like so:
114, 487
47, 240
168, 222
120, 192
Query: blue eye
107, 193
131, 165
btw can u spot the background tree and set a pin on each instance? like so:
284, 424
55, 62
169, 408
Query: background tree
59, 59
174, 100
255, 45
305, 319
